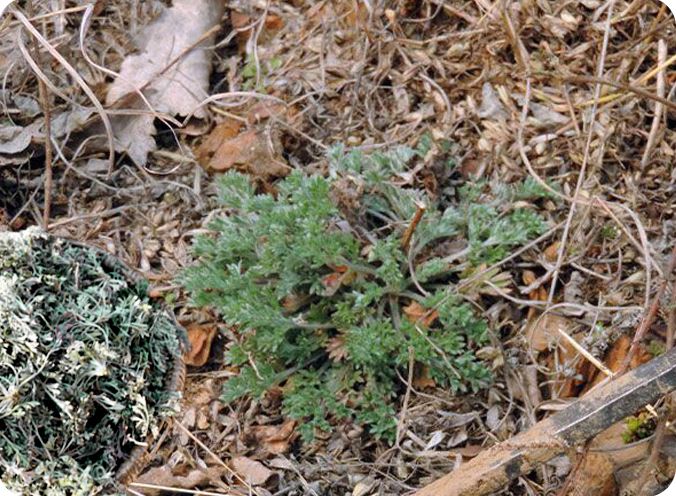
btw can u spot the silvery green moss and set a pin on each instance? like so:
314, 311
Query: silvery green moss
84, 361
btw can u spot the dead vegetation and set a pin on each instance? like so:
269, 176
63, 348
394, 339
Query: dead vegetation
144, 103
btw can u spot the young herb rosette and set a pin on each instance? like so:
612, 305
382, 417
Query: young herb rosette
335, 306
85, 363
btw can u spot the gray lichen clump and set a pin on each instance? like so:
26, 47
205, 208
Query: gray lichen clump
85, 359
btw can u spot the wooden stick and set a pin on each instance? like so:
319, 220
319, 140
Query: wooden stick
495, 467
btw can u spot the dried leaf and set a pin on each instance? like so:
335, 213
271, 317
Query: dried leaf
336, 348
528, 277
275, 439
172, 89
416, 313
437, 437
471, 450
332, 283
551, 252
616, 355
546, 117
224, 131
200, 337
421, 377
252, 471
163, 476
244, 25
491, 106
264, 110
249, 152
15, 139
542, 332
363, 487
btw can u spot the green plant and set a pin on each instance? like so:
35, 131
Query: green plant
638, 427
84, 362
250, 73
329, 315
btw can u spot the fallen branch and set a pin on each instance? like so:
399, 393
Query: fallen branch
496, 466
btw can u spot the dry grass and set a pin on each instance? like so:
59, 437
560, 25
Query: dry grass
576, 93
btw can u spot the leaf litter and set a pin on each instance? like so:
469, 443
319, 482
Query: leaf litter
360, 74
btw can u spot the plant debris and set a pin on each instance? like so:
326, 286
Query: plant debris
577, 95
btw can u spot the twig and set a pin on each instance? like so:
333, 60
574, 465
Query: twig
580, 349
520, 53
671, 321
215, 457
409, 385
78, 79
494, 467
47, 113
649, 317
617, 84
44, 103
657, 117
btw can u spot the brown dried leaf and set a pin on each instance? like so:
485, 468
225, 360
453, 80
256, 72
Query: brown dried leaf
416, 313
163, 476
551, 253
542, 332
252, 471
616, 355
528, 277
273, 23
421, 377
200, 337
275, 439
248, 152
336, 348
264, 110
224, 131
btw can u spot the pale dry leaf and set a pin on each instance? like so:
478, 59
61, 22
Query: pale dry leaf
493, 417
163, 476
491, 106
252, 471
457, 438
363, 487
282, 463
70, 121
178, 89
15, 139
134, 134
547, 117
437, 437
